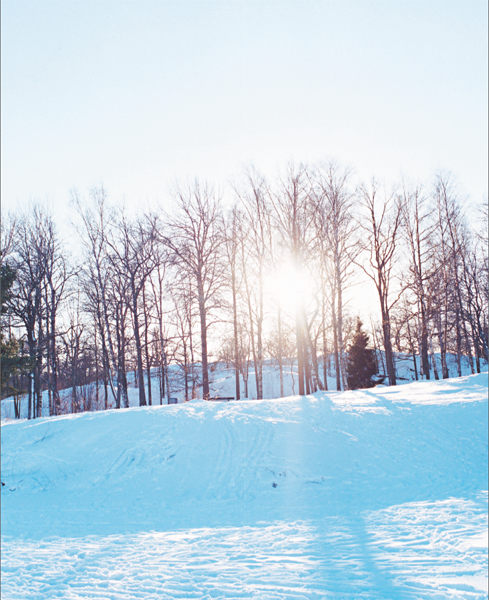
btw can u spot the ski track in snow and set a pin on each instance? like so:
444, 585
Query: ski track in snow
368, 494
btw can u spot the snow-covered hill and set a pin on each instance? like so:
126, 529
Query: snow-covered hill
370, 494
222, 383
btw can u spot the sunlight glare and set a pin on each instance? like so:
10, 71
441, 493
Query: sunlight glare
291, 285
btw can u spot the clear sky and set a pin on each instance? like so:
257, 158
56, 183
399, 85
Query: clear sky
134, 94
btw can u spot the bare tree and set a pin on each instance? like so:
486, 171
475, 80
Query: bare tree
293, 222
118, 304
133, 257
333, 215
451, 238
233, 237
158, 291
195, 237
255, 261
73, 342
98, 277
39, 287
475, 295
183, 316
417, 229
380, 226
57, 276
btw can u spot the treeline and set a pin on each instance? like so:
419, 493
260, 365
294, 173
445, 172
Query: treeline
263, 272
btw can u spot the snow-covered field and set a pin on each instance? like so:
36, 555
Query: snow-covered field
376, 493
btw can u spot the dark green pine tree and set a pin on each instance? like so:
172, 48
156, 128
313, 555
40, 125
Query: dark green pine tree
361, 367
10, 361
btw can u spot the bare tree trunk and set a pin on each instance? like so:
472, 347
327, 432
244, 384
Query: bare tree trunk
139, 354
203, 339
259, 335
148, 360
335, 344
458, 337
316, 382
162, 379
413, 352
48, 352
37, 371
389, 355
245, 378
29, 406
120, 354
167, 378
106, 374
192, 360
443, 350
235, 327
280, 351
185, 368
323, 321
250, 317
433, 358
96, 365
300, 353
341, 350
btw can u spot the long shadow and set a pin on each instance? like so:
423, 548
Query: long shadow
382, 580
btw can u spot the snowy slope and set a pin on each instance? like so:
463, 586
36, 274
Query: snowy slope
371, 494
222, 383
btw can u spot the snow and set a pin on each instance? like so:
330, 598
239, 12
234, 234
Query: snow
222, 384
377, 493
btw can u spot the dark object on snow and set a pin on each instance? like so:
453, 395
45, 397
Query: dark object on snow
361, 366
3, 483
222, 399
274, 484
172, 400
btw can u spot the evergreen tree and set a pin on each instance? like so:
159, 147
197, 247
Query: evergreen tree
361, 365
7, 280
10, 361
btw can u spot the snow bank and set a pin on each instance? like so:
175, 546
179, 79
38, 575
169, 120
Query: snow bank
375, 494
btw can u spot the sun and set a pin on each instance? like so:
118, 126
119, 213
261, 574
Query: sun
292, 285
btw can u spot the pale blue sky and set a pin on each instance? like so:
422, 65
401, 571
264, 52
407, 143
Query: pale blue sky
136, 93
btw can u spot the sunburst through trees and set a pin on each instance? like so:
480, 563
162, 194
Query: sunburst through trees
265, 272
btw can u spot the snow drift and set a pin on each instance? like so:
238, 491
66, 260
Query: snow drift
370, 494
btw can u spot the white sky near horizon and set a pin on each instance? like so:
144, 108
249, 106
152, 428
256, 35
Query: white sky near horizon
136, 94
